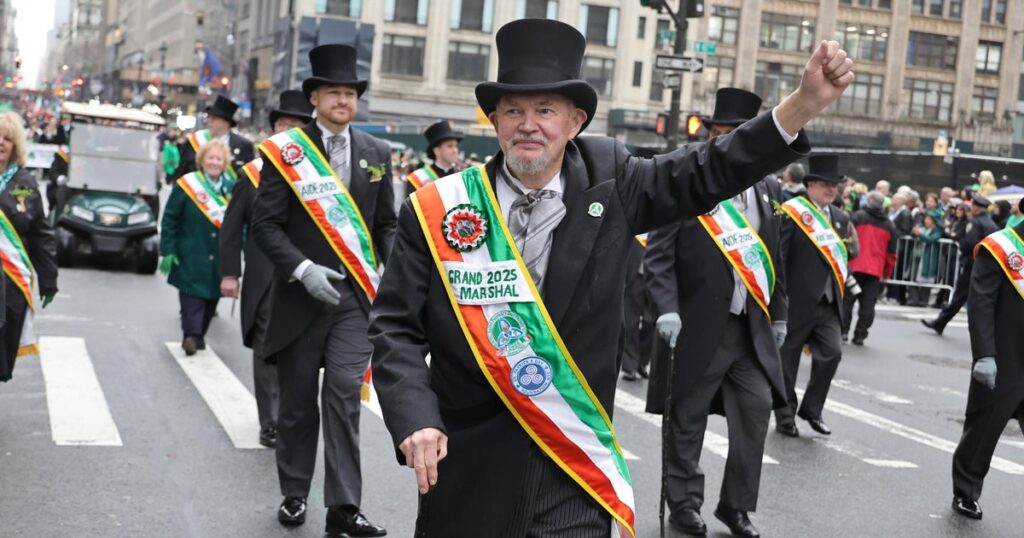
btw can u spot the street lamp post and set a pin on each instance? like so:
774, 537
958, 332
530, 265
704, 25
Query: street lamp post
163, 74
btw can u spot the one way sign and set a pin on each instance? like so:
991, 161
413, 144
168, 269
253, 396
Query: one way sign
679, 63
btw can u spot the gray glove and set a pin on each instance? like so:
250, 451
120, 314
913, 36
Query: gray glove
780, 331
985, 372
316, 279
668, 326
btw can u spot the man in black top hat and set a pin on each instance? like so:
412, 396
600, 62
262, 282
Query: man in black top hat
598, 197
443, 150
979, 226
727, 352
318, 315
815, 300
294, 110
220, 119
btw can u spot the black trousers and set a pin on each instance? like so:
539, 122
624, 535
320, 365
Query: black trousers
196, 314
822, 333
982, 429
960, 292
264, 372
16, 308
735, 372
870, 287
638, 318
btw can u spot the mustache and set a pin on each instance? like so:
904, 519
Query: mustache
527, 138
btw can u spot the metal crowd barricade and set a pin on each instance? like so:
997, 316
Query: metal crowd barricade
911, 255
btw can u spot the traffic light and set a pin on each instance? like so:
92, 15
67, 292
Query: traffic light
225, 81
661, 123
17, 62
693, 125
695, 9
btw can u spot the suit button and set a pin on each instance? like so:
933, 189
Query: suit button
211, 257
213, 234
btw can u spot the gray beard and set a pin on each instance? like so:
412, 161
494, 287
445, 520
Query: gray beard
526, 167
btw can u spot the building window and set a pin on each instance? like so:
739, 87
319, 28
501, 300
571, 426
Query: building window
403, 55
884, 4
246, 7
863, 42
468, 61
641, 27
986, 10
599, 72
935, 7
343, 8
786, 32
472, 15
536, 9
1000, 11
600, 24
719, 71
983, 103
955, 8
773, 81
930, 100
988, 57
658, 89
638, 74
407, 11
863, 97
917, 7
932, 50
723, 25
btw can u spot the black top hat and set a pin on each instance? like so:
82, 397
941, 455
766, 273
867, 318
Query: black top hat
823, 168
733, 106
295, 104
437, 133
223, 107
333, 65
539, 55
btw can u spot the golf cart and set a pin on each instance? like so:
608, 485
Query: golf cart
107, 204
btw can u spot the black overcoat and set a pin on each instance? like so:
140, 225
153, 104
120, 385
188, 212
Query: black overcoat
236, 237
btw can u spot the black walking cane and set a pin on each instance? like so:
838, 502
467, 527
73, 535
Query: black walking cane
666, 425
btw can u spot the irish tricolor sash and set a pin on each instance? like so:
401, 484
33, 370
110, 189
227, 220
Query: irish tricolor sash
207, 199
62, 152
19, 270
1008, 250
514, 340
252, 171
820, 231
421, 177
331, 207
744, 250
642, 239
200, 138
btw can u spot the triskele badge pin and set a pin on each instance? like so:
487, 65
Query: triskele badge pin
596, 209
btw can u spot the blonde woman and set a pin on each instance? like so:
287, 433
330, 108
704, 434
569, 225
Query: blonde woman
190, 237
986, 183
25, 235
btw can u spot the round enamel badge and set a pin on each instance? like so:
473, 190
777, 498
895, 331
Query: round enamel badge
807, 218
465, 228
1015, 261
507, 333
337, 216
202, 197
531, 376
292, 153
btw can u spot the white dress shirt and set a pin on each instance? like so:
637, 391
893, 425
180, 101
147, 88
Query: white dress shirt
506, 196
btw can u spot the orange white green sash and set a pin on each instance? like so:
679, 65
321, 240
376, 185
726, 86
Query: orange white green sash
200, 138
642, 239
19, 270
1008, 250
515, 343
744, 250
819, 230
423, 176
252, 171
199, 189
62, 152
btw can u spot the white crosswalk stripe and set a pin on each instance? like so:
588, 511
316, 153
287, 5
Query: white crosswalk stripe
869, 392
78, 410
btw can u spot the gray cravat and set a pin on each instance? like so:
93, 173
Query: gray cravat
532, 220
337, 147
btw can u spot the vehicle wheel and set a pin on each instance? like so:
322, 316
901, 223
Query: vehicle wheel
148, 255
67, 246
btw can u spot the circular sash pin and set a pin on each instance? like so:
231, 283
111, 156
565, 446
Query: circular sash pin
596, 210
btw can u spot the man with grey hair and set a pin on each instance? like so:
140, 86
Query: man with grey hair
883, 186
874, 263
792, 181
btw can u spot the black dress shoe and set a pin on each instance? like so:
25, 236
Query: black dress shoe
200, 344
817, 424
967, 507
689, 521
347, 522
737, 521
787, 429
933, 326
628, 376
644, 372
857, 341
268, 436
292, 511
190, 345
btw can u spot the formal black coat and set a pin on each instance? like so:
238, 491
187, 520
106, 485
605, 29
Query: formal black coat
903, 222
806, 270
686, 273
583, 290
242, 151
978, 228
995, 318
288, 236
236, 236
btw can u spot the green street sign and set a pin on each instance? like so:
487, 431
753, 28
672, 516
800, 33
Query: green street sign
666, 36
705, 47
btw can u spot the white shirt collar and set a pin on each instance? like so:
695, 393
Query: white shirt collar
326, 133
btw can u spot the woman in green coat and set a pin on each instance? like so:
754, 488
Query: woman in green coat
190, 241
927, 251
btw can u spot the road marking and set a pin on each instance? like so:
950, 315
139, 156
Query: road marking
870, 392
942, 390
850, 450
79, 415
713, 442
232, 403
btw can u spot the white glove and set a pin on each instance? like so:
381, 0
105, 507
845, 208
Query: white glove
668, 326
780, 331
985, 372
316, 279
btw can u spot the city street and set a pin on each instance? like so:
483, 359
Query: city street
115, 433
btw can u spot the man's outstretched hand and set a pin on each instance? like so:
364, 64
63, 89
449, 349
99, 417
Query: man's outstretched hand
826, 76
423, 449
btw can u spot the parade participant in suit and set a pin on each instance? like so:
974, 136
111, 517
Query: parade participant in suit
325, 218
638, 320
27, 249
190, 241
814, 240
994, 315
715, 284
511, 276
294, 110
443, 150
220, 118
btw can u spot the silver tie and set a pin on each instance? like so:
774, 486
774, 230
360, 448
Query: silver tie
532, 221
337, 146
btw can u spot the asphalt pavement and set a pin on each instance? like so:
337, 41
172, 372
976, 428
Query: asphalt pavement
114, 433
